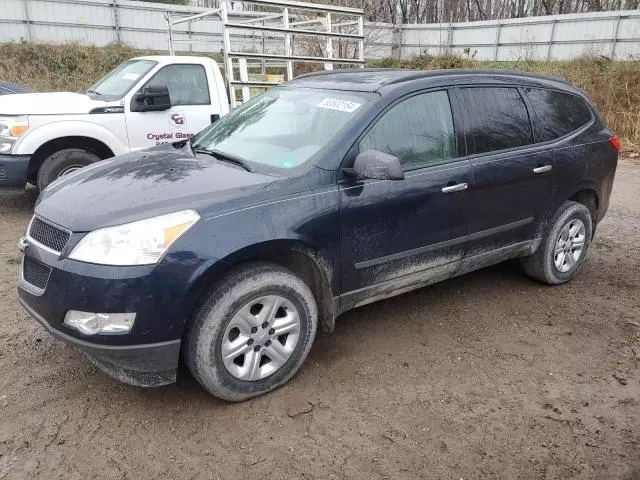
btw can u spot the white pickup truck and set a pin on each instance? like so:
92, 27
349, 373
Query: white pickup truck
142, 102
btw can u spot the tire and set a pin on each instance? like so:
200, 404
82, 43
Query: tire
217, 328
63, 162
543, 264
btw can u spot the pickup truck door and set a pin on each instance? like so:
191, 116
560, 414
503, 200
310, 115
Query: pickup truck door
191, 109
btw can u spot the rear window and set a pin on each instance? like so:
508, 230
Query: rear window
497, 119
558, 113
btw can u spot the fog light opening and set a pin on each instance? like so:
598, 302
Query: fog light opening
89, 323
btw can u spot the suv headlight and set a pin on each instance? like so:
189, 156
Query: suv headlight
138, 243
11, 128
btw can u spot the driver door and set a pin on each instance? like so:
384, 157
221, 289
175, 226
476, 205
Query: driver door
190, 109
399, 234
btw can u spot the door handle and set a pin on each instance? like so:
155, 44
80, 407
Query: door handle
454, 188
543, 169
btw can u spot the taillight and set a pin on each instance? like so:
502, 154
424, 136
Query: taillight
615, 141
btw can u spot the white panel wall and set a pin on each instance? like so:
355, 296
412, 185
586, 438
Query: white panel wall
553, 37
143, 25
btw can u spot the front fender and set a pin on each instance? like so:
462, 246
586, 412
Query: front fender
35, 137
305, 223
310, 220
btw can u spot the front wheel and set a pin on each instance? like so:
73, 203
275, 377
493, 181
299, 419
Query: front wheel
63, 162
564, 245
253, 333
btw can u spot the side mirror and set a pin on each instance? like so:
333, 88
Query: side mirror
375, 165
152, 98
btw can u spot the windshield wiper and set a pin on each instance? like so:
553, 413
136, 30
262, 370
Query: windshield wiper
94, 92
225, 157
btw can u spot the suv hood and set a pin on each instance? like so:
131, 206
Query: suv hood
51, 103
143, 184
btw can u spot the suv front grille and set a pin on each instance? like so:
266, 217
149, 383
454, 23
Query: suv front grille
48, 235
35, 273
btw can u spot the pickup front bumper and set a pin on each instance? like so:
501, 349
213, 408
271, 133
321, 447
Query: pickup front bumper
13, 170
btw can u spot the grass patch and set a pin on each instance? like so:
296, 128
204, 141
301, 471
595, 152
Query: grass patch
64, 67
614, 87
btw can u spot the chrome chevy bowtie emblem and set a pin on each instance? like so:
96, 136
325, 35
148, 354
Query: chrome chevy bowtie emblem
23, 243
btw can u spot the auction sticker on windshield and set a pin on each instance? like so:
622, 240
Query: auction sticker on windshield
340, 105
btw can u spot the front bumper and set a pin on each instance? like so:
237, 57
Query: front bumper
13, 170
159, 294
147, 365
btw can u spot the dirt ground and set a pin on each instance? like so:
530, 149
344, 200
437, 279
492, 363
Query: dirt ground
489, 375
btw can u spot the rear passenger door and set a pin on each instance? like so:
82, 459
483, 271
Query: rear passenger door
512, 178
560, 119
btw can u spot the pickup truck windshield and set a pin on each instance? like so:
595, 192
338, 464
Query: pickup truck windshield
283, 127
120, 80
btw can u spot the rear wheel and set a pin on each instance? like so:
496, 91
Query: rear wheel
64, 162
564, 245
253, 333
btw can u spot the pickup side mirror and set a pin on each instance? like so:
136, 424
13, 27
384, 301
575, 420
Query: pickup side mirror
152, 98
375, 165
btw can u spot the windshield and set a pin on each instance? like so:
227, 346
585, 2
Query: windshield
120, 80
283, 127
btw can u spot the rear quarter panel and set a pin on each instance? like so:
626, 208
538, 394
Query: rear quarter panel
585, 161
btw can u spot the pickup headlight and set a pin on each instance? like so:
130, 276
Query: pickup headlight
138, 243
11, 128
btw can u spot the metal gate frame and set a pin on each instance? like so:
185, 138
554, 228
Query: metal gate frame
279, 22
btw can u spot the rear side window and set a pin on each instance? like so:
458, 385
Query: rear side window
557, 113
418, 130
496, 119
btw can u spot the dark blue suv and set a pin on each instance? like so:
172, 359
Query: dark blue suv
332, 191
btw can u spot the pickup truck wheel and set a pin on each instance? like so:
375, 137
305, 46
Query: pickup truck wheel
253, 332
63, 162
564, 245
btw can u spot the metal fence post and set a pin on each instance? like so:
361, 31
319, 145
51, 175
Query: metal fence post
263, 63
287, 43
396, 42
26, 19
497, 43
328, 43
553, 32
167, 15
226, 48
116, 21
615, 39
361, 41
244, 77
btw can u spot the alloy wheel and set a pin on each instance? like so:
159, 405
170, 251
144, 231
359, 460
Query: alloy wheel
69, 169
569, 245
260, 338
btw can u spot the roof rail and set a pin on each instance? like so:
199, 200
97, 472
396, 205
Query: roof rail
476, 71
411, 74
